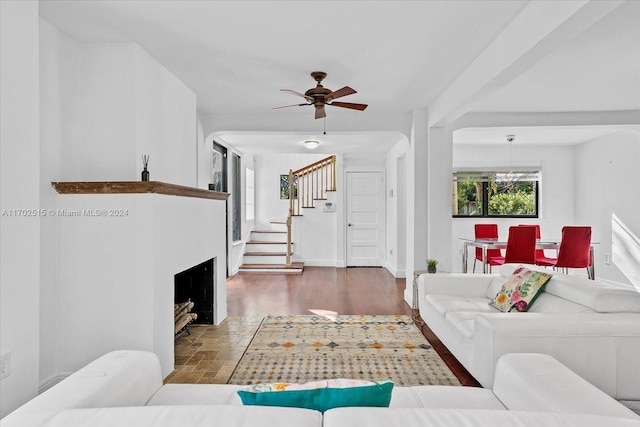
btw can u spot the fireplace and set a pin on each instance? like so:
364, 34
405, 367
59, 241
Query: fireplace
197, 284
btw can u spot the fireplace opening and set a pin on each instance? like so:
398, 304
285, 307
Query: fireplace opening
197, 284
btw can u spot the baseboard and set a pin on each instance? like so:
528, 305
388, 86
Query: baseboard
52, 380
395, 272
318, 262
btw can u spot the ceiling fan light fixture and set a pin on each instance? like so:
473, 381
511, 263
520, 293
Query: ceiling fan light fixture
311, 144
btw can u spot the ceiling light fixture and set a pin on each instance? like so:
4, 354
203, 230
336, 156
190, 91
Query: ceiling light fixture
311, 144
510, 177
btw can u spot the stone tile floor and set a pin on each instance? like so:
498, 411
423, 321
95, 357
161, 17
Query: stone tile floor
210, 354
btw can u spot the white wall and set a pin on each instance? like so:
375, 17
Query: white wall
556, 189
204, 156
165, 123
116, 273
59, 68
396, 197
313, 234
19, 189
102, 107
269, 167
106, 146
109, 103
606, 197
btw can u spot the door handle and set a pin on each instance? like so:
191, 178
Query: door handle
349, 225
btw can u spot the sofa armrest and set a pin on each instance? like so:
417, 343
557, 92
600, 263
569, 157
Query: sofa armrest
119, 378
539, 383
602, 348
454, 284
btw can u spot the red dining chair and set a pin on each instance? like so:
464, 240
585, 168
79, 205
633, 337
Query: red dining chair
541, 258
521, 246
575, 248
486, 231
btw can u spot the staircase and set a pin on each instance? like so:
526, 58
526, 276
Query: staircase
266, 251
269, 249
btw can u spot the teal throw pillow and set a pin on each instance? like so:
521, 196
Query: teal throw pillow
319, 395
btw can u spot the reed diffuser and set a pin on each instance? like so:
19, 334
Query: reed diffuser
145, 163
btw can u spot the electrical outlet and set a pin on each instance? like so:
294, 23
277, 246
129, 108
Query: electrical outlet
5, 365
607, 259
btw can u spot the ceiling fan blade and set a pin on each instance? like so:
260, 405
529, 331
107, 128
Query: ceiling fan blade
350, 105
287, 106
341, 92
320, 113
297, 93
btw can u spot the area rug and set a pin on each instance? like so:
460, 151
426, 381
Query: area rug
313, 347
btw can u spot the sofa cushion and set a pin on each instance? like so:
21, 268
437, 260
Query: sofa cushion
191, 416
442, 396
597, 296
444, 304
463, 321
539, 382
319, 395
548, 303
520, 290
196, 394
438, 417
600, 297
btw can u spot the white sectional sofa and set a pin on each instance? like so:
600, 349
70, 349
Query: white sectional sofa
124, 388
591, 327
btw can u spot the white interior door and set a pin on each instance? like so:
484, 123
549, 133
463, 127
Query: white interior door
365, 219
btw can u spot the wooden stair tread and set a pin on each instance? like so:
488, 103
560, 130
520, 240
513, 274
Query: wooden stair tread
263, 242
266, 253
293, 266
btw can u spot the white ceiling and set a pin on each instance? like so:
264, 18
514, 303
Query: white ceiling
399, 55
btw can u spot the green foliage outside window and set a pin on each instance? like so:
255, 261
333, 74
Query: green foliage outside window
284, 187
506, 194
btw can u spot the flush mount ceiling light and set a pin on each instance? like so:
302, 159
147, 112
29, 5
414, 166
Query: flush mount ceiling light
311, 144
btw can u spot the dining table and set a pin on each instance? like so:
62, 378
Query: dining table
485, 244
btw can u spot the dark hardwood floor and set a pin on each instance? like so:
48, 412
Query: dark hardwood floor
340, 290
210, 353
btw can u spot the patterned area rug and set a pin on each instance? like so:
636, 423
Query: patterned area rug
309, 348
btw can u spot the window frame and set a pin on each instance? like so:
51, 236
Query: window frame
485, 192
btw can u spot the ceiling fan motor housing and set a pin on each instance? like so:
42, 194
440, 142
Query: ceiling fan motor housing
320, 96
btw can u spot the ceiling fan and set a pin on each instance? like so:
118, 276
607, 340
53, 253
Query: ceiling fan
320, 96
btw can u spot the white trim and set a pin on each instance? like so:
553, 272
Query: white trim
318, 262
52, 380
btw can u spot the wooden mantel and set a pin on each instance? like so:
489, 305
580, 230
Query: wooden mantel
135, 187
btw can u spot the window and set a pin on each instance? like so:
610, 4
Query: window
496, 194
250, 194
284, 187
237, 197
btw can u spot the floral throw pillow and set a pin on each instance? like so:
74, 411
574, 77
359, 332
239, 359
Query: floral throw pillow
520, 290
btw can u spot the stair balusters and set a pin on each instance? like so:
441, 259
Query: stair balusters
313, 182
